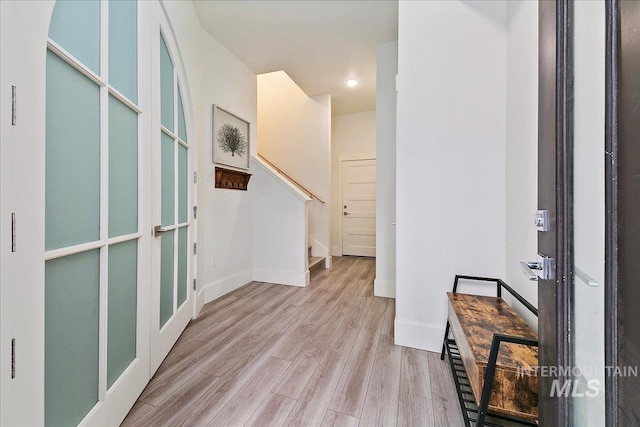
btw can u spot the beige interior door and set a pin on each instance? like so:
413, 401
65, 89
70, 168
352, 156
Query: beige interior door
359, 207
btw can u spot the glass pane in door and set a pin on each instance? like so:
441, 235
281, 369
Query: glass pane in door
71, 363
182, 130
123, 169
182, 264
183, 184
588, 393
166, 277
168, 180
166, 87
122, 308
72, 201
75, 25
123, 49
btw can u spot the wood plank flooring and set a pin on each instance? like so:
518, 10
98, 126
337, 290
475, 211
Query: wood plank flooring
273, 355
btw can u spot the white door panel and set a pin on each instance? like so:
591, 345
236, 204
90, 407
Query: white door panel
359, 207
172, 257
97, 255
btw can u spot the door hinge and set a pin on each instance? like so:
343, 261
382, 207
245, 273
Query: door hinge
13, 232
195, 177
13, 105
194, 248
194, 284
13, 358
195, 212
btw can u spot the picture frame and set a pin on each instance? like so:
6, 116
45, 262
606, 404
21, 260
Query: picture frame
230, 139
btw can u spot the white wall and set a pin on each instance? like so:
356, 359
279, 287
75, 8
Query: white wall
387, 68
522, 149
279, 228
225, 231
215, 76
451, 127
295, 134
351, 134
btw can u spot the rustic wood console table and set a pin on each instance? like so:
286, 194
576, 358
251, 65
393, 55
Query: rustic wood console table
492, 354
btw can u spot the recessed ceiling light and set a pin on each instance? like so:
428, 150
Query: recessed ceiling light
352, 82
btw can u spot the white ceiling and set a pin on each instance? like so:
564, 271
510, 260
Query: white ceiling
320, 44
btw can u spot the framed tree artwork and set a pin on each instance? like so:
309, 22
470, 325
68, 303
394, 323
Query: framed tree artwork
230, 139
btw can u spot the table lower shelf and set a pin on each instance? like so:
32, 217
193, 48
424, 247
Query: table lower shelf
467, 401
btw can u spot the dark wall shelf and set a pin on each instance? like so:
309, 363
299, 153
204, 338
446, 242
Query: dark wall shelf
231, 179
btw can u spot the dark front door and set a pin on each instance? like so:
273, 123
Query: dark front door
554, 198
589, 162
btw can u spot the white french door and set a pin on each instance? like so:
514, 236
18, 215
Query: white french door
173, 248
95, 281
90, 300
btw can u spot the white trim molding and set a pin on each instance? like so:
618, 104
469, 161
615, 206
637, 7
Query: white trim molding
223, 286
281, 277
384, 288
418, 335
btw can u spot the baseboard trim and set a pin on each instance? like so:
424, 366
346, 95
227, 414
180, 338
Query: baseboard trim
418, 335
384, 288
224, 286
328, 262
281, 277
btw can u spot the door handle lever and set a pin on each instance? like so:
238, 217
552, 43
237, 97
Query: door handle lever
345, 213
528, 267
158, 230
546, 266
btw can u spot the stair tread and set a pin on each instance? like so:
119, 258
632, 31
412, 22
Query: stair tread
315, 260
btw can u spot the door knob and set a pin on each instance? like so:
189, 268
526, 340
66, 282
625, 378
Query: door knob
158, 230
345, 213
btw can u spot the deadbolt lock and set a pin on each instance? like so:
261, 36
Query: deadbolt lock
542, 220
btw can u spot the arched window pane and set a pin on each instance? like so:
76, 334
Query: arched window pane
123, 51
182, 129
75, 26
166, 87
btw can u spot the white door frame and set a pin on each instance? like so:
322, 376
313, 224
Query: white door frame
341, 159
24, 32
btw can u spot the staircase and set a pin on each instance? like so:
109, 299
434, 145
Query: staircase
281, 227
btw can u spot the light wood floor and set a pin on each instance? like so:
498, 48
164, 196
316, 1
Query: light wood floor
273, 355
